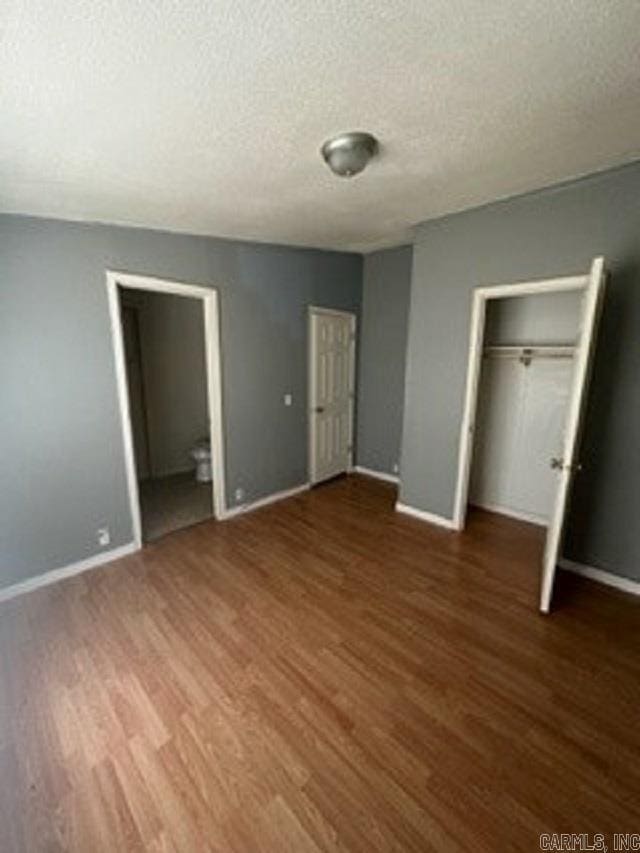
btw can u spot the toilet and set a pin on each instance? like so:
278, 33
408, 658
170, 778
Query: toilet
201, 455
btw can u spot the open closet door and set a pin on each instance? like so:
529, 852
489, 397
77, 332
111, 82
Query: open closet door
568, 464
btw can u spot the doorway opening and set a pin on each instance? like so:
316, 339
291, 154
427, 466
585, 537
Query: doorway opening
332, 372
167, 351
523, 393
530, 354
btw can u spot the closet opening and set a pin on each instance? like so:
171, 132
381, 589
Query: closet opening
523, 394
530, 353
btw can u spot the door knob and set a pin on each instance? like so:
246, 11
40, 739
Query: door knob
319, 410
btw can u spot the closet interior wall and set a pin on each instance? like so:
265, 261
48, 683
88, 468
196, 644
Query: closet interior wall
524, 390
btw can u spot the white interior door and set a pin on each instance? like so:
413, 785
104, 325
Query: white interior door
544, 411
331, 392
520, 425
566, 466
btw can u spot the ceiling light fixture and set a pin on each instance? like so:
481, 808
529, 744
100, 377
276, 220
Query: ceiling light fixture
348, 153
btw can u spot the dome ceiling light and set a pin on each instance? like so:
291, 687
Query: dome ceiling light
348, 153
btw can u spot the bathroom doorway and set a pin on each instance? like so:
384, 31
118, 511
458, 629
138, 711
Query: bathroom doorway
166, 345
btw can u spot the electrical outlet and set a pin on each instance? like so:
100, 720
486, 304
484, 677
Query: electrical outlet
288, 399
239, 495
104, 536
396, 468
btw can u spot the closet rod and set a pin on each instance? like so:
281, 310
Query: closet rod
527, 354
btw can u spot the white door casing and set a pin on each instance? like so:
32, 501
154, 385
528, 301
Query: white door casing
568, 464
331, 392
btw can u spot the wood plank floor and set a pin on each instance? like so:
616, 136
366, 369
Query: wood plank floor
320, 675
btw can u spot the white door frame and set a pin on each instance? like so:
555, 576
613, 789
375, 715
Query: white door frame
211, 311
481, 295
311, 430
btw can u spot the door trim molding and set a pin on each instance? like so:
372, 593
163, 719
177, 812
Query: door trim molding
211, 319
352, 317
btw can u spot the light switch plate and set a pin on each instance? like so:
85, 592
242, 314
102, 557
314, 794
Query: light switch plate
288, 399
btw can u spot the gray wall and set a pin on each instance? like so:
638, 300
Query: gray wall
175, 379
383, 343
541, 235
62, 464
546, 318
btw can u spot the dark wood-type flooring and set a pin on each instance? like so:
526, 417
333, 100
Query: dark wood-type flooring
320, 675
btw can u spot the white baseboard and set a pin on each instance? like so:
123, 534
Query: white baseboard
55, 575
601, 576
379, 475
531, 517
269, 499
429, 517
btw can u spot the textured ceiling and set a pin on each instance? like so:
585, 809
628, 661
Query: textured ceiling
207, 116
